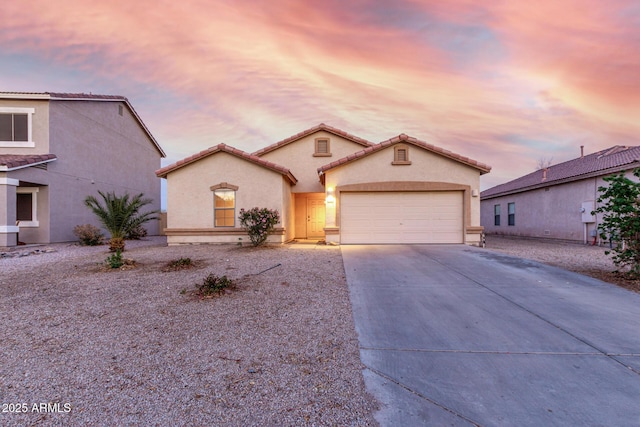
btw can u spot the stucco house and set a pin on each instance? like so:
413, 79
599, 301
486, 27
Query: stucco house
556, 202
58, 148
328, 185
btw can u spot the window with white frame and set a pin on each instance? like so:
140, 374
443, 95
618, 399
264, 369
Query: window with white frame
15, 127
496, 214
27, 206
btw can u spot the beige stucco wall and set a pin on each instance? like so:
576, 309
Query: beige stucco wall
298, 157
425, 167
39, 126
190, 199
551, 213
287, 214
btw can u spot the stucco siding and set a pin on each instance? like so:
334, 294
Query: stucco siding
424, 167
190, 199
299, 159
288, 211
39, 123
97, 150
553, 212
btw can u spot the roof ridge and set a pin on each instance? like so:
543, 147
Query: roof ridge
404, 138
162, 172
307, 132
608, 159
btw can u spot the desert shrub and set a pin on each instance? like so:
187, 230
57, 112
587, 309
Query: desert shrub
137, 233
115, 260
258, 223
213, 285
179, 264
88, 234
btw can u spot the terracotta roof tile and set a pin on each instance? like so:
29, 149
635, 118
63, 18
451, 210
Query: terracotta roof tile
320, 127
604, 162
163, 172
405, 139
18, 161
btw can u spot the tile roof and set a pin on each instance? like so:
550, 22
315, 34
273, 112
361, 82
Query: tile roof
604, 162
320, 127
163, 172
483, 168
9, 162
60, 96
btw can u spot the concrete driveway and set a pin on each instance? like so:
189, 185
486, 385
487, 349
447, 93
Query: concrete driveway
456, 335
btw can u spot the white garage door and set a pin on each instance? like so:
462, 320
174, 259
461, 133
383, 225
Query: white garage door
411, 217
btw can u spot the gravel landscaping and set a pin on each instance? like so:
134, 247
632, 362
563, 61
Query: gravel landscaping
86, 345
83, 344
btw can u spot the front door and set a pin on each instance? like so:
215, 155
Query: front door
315, 218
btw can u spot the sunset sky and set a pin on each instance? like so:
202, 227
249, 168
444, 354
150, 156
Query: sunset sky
507, 83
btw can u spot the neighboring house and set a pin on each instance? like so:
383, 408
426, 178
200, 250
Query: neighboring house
328, 185
555, 202
58, 148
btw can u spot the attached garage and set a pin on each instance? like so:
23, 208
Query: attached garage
402, 217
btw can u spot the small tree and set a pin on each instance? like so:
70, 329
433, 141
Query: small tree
120, 215
258, 223
620, 205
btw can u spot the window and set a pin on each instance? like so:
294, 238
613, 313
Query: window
496, 214
322, 147
15, 127
511, 207
224, 208
401, 155
27, 206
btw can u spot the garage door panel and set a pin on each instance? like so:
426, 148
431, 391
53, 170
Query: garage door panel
410, 217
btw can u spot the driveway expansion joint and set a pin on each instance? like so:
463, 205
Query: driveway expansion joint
509, 300
422, 396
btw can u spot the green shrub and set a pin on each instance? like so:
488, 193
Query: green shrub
88, 234
619, 204
258, 223
115, 260
213, 285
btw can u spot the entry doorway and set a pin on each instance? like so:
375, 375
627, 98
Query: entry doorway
310, 216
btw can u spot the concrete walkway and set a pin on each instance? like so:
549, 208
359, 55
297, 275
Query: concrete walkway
455, 335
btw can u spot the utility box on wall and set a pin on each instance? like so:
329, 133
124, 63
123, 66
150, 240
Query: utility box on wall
587, 208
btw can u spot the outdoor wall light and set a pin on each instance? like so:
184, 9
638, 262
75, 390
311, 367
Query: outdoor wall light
330, 197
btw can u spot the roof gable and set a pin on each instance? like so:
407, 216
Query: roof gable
163, 172
58, 96
320, 127
607, 161
403, 138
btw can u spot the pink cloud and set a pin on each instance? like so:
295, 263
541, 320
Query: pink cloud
492, 82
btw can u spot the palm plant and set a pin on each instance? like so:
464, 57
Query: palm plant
120, 215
